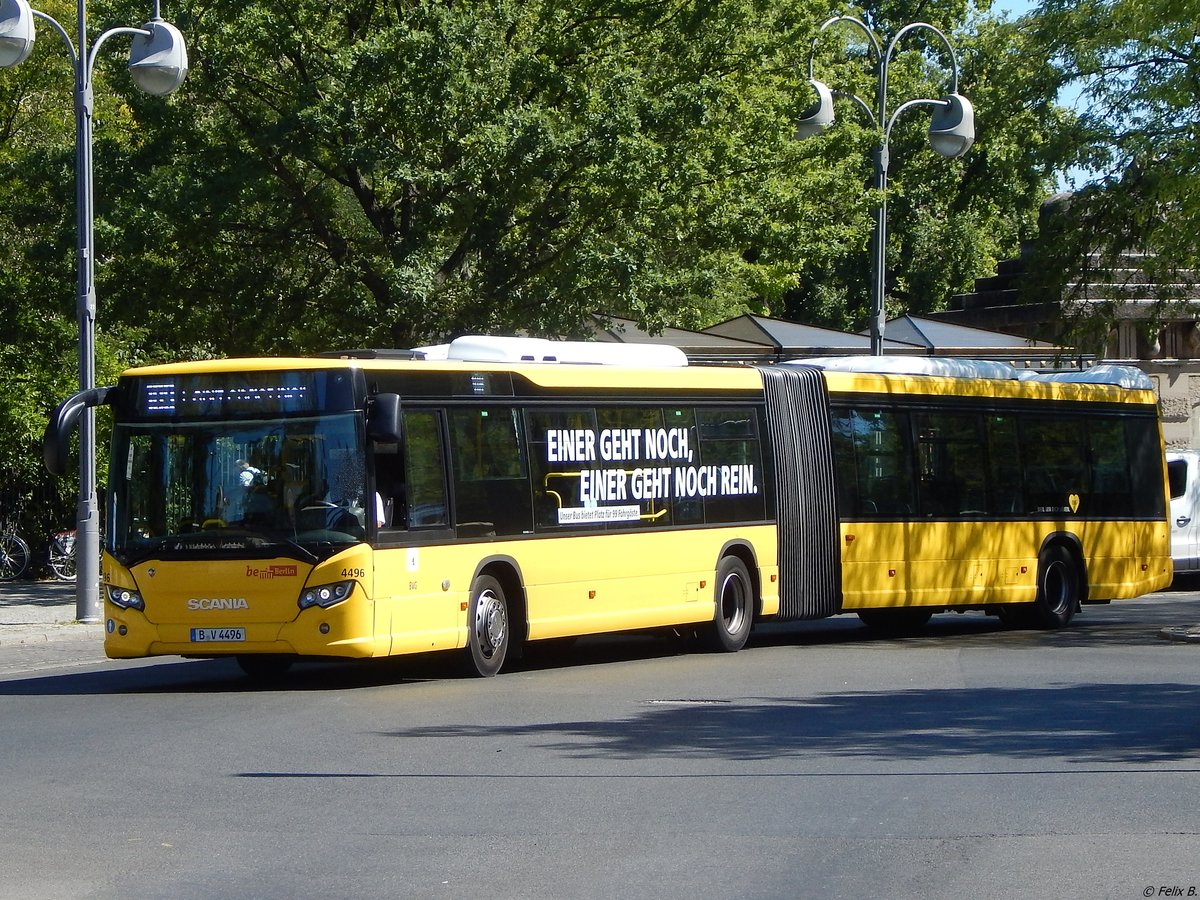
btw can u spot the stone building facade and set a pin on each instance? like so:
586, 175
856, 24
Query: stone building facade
1155, 329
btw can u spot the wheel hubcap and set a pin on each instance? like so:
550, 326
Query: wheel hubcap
491, 622
1057, 587
733, 604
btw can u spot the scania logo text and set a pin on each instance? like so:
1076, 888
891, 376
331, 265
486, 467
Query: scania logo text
218, 603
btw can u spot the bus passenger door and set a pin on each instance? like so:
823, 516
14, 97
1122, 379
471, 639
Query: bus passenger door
414, 539
873, 454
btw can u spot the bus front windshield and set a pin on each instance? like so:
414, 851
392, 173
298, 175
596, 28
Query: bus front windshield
292, 486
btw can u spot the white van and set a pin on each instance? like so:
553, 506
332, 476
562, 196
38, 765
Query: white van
1183, 475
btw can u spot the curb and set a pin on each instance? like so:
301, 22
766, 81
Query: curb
1183, 634
16, 634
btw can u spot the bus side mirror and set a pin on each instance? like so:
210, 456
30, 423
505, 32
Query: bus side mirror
56, 442
384, 423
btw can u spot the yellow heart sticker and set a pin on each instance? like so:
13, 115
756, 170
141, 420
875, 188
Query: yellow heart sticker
1073, 502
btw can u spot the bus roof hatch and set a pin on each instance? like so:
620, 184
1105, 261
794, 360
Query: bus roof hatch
486, 348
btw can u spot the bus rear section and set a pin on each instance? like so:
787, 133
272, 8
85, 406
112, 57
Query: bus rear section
1023, 498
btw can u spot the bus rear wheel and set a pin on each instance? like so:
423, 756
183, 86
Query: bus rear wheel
1058, 589
487, 627
734, 612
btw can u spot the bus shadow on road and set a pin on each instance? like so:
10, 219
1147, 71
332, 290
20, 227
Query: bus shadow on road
172, 675
1130, 624
1089, 724
179, 676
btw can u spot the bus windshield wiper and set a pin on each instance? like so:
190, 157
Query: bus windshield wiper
235, 540
298, 550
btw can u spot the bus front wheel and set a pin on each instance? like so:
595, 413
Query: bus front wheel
487, 627
734, 612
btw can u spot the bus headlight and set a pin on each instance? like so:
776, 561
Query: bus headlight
325, 595
125, 598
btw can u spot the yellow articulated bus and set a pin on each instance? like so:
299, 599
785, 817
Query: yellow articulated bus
490, 494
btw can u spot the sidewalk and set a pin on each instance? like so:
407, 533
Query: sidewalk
41, 611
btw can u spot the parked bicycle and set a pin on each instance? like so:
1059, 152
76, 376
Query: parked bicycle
14, 555
61, 555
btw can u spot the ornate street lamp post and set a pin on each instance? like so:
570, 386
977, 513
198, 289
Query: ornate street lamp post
158, 64
951, 133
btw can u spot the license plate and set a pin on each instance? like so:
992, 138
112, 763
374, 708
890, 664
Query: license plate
218, 635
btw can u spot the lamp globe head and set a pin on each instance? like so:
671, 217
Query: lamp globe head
158, 62
952, 127
16, 32
819, 115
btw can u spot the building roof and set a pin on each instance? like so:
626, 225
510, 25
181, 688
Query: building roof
794, 339
627, 331
763, 340
947, 339
698, 345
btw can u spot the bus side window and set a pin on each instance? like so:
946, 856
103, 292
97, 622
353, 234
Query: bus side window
658, 508
883, 454
558, 451
1005, 482
728, 438
1145, 451
1109, 488
951, 481
491, 484
842, 422
1055, 463
411, 480
389, 486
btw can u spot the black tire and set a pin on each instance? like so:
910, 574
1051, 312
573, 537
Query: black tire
1058, 589
488, 627
62, 562
904, 620
265, 666
735, 602
14, 557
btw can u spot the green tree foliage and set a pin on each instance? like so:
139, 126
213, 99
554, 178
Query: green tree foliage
392, 172
1136, 67
38, 353
949, 221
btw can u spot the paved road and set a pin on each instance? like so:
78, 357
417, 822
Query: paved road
821, 762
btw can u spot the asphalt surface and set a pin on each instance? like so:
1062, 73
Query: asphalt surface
827, 762
33, 612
